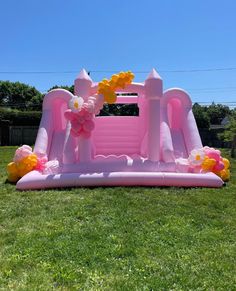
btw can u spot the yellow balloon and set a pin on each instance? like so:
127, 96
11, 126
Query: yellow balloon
226, 163
13, 178
23, 172
110, 98
114, 78
108, 87
225, 175
18, 169
12, 168
208, 164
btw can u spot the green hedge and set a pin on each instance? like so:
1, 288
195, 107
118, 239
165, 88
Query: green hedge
17, 117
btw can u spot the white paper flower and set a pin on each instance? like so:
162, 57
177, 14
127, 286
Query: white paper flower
182, 165
52, 167
196, 157
75, 103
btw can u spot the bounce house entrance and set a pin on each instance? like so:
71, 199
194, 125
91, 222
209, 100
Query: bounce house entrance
119, 135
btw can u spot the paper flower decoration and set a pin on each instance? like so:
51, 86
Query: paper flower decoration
196, 157
81, 114
94, 104
51, 167
75, 103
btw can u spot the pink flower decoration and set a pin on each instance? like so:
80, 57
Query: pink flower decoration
22, 152
81, 122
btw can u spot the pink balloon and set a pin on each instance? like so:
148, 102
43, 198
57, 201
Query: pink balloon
69, 115
88, 125
74, 133
88, 116
219, 166
213, 154
76, 125
86, 134
81, 119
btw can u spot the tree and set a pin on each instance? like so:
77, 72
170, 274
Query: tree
68, 88
35, 103
119, 110
201, 116
217, 112
229, 133
20, 96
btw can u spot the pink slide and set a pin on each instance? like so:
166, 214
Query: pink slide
151, 149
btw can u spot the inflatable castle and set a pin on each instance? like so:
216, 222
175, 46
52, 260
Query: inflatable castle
75, 146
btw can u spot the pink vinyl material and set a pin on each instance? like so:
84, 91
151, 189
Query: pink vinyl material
39, 181
118, 135
122, 150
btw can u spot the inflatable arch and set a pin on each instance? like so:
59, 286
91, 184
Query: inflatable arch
150, 149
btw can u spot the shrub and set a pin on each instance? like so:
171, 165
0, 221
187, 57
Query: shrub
17, 117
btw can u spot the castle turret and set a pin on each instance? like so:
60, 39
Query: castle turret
153, 93
83, 85
82, 88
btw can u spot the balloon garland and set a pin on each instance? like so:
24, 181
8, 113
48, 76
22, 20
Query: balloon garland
210, 160
108, 87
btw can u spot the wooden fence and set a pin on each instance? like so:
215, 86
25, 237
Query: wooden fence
19, 135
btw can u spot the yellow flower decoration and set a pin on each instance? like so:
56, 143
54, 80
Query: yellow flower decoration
108, 87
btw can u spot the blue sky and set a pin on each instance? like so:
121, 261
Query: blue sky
100, 35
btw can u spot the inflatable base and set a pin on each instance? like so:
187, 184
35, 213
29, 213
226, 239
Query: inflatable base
36, 180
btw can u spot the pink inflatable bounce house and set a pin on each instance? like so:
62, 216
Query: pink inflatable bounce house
159, 147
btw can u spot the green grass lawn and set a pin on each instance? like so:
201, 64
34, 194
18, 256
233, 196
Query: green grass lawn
133, 238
